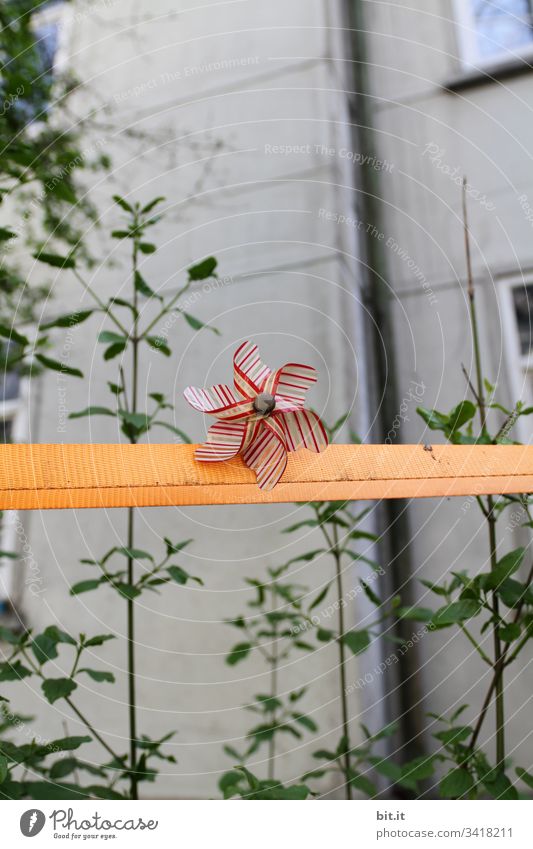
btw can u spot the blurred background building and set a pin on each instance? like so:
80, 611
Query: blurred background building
317, 149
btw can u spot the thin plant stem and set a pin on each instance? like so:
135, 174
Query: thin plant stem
498, 664
497, 674
274, 664
99, 301
90, 727
167, 307
342, 663
130, 614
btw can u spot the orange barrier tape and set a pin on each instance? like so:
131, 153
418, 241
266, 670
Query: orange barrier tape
72, 476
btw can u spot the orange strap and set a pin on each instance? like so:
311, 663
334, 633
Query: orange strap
72, 476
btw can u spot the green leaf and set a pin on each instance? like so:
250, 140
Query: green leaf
196, 324
100, 675
55, 260
203, 269
55, 790
239, 652
137, 421
99, 640
134, 553
417, 614
121, 234
63, 767
306, 721
526, 777
114, 350
13, 335
142, 286
229, 782
513, 593
147, 248
319, 598
67, 744
175, 547
357, 641
85, 586
68, 320
295, 793
433, 419
324, 635
128, 591
454, 735
4, 768
108, 336
7, 635
181, 576
159, 343
149, 206
122, 203
6, 235
458, 782
44, 648
59, 636
54, 365
370, 594
14, 671
455, 612
499, 786
92, 411
510, 632
387, 768
505, 567
418, 769
434, 587
362, 783
58, 688
462, 413
104, 792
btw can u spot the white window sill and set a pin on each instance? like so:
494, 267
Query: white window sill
491, 72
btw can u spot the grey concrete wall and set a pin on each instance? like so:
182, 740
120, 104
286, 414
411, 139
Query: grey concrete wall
433, 137
196, 103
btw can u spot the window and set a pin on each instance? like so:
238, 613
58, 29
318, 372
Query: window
494, 31
49, 24
516, 299
13, 428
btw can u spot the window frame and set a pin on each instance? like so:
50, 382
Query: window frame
16, 411
466, 32
517, 364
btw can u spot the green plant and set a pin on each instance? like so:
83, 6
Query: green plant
40, 163
126, 570
494, 602
272, 627
285, 623
339, 525
244, 784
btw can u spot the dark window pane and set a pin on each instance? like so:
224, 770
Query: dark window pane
9, 386
6, 429
502, 25
523, 304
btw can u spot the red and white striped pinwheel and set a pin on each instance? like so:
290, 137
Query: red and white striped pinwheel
262, 418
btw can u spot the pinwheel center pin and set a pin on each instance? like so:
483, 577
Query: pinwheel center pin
264, 403
262, 417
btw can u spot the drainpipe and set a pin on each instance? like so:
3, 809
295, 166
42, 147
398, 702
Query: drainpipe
404, 698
